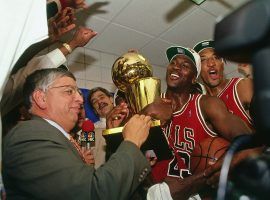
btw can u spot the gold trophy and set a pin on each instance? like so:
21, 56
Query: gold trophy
132, 74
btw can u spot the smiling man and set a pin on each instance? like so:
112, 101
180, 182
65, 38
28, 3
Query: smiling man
236, 93
102, 102
40, 160
192, 121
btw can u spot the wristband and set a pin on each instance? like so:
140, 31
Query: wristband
67, 46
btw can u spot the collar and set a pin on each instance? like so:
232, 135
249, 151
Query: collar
58, 127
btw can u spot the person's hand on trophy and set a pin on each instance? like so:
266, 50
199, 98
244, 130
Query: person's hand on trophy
136, 130
117, 116
160, 109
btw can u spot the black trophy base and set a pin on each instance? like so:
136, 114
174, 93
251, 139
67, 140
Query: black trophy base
156, 141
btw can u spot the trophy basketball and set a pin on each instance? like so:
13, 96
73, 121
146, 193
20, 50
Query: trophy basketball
133, 75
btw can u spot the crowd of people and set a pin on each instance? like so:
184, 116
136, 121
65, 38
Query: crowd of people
42, 158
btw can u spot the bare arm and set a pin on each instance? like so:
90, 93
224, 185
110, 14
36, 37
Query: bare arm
245, 92
182, 189
226, 124
13, 90
160, 109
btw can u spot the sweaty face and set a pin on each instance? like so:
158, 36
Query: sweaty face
212, 68
101, 103
63, 102
181, 71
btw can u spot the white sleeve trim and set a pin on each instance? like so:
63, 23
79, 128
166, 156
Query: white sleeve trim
159, 191
56, 57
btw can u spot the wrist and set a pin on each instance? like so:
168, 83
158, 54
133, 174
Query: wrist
68, 47
132, 141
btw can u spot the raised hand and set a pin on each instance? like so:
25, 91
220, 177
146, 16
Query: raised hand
81, 37
117, 116
136, 130
62, 24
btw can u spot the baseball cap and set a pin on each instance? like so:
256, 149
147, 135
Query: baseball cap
203, 45
173, 51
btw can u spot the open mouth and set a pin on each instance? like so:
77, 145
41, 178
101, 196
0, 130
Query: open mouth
213, 74
102, 105
174, 76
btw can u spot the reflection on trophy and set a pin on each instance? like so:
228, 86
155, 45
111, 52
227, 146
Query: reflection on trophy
132, 74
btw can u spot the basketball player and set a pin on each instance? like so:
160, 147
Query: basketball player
236, 93
195, 117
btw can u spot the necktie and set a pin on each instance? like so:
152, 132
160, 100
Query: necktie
76, 145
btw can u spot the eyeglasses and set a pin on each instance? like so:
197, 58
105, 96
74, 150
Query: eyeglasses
68, 89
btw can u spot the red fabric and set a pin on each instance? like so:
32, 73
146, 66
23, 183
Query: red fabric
159, 171
230, 97
187, 128
63, 4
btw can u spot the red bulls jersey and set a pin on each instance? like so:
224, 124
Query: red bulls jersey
186, 129
230, 97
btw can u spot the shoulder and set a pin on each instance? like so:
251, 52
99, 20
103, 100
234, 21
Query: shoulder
245, 90
211, 104
245, 83
209, 101
31, 130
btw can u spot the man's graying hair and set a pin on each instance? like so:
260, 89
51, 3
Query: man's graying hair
42, 79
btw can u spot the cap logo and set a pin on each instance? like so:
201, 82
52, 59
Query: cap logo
205, 44
181, 51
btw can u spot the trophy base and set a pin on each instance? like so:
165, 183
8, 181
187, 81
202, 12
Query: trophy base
111, 131
156, 141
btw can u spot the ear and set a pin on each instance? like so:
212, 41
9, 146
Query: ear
39, 98
194, 79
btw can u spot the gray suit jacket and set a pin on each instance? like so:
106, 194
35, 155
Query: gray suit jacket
39, 162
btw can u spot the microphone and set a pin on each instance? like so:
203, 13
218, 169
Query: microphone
88, 134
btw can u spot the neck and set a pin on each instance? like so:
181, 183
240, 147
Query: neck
178, 99
214, 91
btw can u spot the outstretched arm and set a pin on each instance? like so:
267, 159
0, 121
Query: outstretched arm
223, 122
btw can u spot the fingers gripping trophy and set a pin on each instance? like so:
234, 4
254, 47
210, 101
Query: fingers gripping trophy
133, 75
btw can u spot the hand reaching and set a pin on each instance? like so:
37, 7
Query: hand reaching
80, 4
62, 24
136, 130
81, 37
213, 172
117, 115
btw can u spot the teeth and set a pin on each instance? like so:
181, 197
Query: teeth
212, 72
175, 75
102, 105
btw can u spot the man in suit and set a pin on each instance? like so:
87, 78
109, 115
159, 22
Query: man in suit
40, 161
